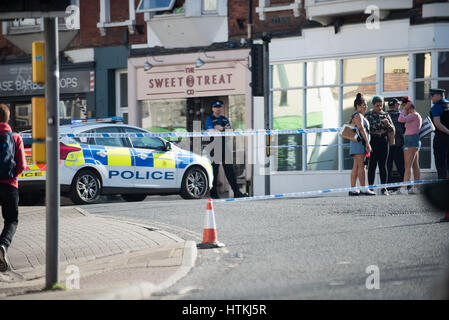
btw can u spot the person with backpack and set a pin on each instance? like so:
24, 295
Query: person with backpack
12, 163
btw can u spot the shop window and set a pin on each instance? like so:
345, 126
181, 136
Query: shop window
422, 65
396, 74
288, 75
443, 64
359, 70
166, 115
72, 109
322, 112
288, 115
322, 73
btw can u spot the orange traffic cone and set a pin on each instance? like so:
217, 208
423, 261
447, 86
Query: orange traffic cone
210, 230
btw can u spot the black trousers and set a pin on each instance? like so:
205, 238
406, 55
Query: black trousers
230, 175
441, 153
378, 157
9, 198
396, 155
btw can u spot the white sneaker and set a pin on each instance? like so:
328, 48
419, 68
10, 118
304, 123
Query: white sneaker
414, 191
402, 191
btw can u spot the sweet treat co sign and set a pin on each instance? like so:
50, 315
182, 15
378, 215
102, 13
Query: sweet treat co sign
184, 81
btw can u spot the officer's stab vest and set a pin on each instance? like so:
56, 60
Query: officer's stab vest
444, 119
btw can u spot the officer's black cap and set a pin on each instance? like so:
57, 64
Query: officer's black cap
436, 91
217, 103
392, 102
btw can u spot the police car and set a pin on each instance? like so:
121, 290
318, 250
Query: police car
133, 167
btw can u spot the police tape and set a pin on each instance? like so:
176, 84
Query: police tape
325, 191
201, 134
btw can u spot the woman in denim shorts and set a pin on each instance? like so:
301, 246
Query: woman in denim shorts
358, 149
412, 144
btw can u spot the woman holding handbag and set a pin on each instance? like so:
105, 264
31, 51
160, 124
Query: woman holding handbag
358, 149
412, 144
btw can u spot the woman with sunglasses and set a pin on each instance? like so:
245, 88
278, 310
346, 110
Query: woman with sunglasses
412, 144
380, 125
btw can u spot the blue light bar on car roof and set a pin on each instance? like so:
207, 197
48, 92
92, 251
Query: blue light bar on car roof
98, 120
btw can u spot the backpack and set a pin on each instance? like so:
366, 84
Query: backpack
7, 152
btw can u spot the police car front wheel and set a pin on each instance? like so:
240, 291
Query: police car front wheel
194, 184
86, 187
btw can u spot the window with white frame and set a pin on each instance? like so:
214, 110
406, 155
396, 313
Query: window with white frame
320, 94
209, 6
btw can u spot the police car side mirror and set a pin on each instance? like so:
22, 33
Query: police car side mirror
168, 146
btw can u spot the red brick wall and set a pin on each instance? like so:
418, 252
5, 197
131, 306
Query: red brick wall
275, 22
90, 35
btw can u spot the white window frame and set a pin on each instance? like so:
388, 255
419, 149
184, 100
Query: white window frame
105, 18
265, 6
118, 109
379, 88
209, 12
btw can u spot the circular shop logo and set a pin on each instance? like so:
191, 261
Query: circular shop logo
190, 80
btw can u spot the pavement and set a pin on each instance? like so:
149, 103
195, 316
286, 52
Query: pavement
100, 258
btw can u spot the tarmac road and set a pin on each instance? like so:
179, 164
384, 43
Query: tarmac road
309, 248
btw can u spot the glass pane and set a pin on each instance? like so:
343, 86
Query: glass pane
123, 90
156, 5
444, 85
164, 115
396, 73
322, 72
349, 94
322, 151
237, 112
422, 65
359, 70
288, 75
209, 5
287, 115
322, 112
443, 64
72, 109
423, 104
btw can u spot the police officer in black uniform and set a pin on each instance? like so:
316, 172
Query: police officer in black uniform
217, 122
396, 153
439, 114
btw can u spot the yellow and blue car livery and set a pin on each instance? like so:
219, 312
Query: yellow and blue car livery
88, 169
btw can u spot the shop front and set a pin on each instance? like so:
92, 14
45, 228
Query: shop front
76, 85
175, 95
314, 86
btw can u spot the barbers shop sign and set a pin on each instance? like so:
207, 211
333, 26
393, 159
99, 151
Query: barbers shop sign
185, 81
16, 80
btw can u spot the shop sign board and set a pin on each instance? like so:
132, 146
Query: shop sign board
187, 81
17, 80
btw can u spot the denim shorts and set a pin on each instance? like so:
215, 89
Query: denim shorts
412, 141
356, 148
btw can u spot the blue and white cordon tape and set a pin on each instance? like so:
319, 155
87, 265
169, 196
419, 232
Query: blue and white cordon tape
192, 134
325, 191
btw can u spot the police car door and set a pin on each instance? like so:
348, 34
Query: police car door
116, 156
154, 167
